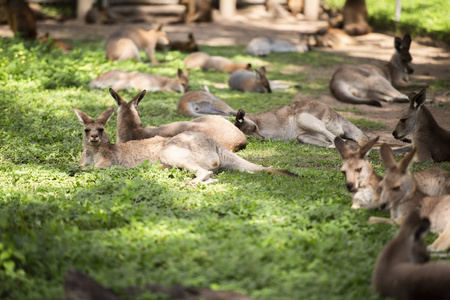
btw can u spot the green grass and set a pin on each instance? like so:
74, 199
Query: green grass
270, 237
418, 17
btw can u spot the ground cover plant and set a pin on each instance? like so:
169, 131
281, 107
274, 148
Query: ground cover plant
269, 237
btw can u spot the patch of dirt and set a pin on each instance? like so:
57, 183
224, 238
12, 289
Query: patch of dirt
431, 59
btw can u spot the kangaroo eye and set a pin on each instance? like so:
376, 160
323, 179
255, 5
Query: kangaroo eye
87, 130
100, 129
396, 188
358, 170
402, 120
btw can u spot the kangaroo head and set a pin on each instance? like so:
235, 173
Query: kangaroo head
356, 168
408, 119
247, 126
183, 80
127, 114
161, 36
261, 76
94, 130
398, 182
403, 56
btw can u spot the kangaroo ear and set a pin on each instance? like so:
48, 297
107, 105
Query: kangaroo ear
137, 99
342, 148
387, 156
117, 97
398, 43
179, 73
367, 146
206, 88
406, 41
420, 98
249, 66
421, 229
82, 117
158, 27
187, 72
105, 116
240, 115
406, 162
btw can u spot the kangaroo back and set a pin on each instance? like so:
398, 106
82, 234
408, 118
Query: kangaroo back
245, 80
200, 103
196, 59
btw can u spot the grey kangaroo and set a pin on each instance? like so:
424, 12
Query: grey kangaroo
129, 126
309, 122
250, 81
193, 151
201, 103
403, 270
367, 84
431, 140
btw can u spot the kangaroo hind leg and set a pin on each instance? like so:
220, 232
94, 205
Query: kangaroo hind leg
314, 127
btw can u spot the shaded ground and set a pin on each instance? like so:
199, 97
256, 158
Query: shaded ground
431, 59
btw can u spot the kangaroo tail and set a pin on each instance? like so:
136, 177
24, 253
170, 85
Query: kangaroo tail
340, 92
280, 172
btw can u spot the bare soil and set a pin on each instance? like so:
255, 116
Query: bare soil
431, 59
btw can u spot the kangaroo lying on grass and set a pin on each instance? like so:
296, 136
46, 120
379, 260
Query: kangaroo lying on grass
400, 193
200, 103
218, 63
193, 151
431, 140
185, 46
250, 81
364, 184
309, 122
119, 80
403, 270
262, 46
367, 84
126, 43
129, 126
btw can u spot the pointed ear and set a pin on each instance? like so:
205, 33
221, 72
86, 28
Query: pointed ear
421, 229
240, 115
262, 71
342, 148
249, 66
206, 88
117, 97
158, 27
407, 161
82, 117
398, 43
105, 116
187, 73
420, 98
406, 43
367, 146
387, 156
137, 99
179, 73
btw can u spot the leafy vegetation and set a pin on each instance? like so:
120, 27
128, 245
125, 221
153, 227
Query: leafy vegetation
419, 18
270, 237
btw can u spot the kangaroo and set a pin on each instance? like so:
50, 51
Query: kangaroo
367, 84
184, 46
197, 11
191, 150
355, 15
333, 38
55, 43
403, 270
263, 46
20, 18
218, 63
309, 122
401, 195
126, 42
364, 184
432, 141
250, 81
201, 103
119, 80
129, 126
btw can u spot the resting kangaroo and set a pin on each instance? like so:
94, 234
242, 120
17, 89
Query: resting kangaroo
431, 140
218, 63
126, 43
129, 126
403, 270
184, 46
119, 80
364, 184
201, 103
250, 81
309, 122
367, 84
401, 194
191, 150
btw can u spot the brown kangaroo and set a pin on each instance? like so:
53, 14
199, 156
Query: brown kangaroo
364, 184
355, 15
250, 81
129, 126
367, 84
126, 42
185, 46
201, 103
118, 80
403, 270
20, 18
191, 150
309, 122
56, 43
218, 63
400, 193
431, 140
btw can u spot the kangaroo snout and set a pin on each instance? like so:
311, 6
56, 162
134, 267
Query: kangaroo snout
350, 187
